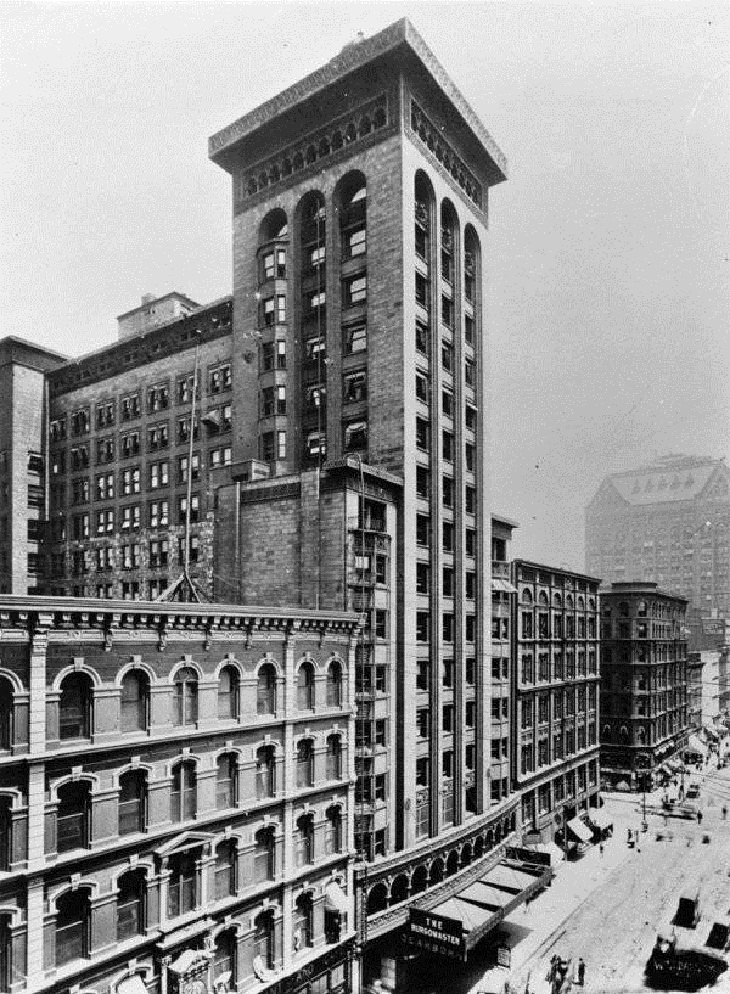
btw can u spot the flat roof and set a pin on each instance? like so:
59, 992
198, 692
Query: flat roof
565, 570
401, 35
23, 352
172, 295
193, 610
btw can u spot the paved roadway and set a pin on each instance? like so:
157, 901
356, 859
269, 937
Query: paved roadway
608, 908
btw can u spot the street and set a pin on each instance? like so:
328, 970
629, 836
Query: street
608, 908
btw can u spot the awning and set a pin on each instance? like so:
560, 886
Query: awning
695, 745
599, 818
131, 985
335, 899
580, 830
504, 585
456, 925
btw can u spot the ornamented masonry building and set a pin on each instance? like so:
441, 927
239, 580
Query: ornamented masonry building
556, 691
644, 694
176, 797
339, 465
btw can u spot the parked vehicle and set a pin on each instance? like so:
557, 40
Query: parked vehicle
676, 967
688, 909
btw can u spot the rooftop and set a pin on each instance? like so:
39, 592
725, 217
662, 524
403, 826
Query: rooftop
397, 41
669, 479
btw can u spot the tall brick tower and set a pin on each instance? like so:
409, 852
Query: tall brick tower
360, 356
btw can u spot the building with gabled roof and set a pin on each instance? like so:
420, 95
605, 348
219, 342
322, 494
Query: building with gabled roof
668, 522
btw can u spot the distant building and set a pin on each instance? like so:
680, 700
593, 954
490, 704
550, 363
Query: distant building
154, 311
709, 643
24, 419
176, 804
644, 695
555, 679
668, 522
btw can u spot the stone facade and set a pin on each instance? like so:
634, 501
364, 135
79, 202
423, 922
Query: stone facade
174, 780
23, 450
556, 678
644, 684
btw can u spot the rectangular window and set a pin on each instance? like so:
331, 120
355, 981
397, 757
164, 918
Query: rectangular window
448, 446
158, 398
355, 339
422, 578
354, 387
356, 243
448, 536
447, 357
421, 388
448, 581
356, 436
355, 291
422, 482
447, 627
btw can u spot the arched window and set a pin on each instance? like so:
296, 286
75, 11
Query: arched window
333, 831
72, 926
135, 701
304, 841
130, 905
225, 789
182, 888
224, 960
6, 713
225, 869
265, 772
186, 696
6, 837
305, 687
183, 802
132, 795
526, 596
305, 763
263, 940
264, 856
334, 757
228, 693
266, 690
302, 922
75, 707
72, 820
334, 685
353, 228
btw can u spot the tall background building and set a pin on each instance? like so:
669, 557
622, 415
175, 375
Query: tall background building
667, 522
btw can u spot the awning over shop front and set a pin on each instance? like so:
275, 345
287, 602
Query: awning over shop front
694, 745
600, 818
335, 899
580, 830
504, 585
455, 926
131, 985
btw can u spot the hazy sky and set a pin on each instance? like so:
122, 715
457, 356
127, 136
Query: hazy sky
609, 248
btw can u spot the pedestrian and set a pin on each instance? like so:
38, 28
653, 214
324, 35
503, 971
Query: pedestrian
724, 812
600, 848
628, 835
581, 972
699, 817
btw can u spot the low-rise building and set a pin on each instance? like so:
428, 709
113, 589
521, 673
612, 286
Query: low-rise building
644, 706
176, 797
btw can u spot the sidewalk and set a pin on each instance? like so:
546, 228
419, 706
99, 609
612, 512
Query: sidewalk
540, 923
